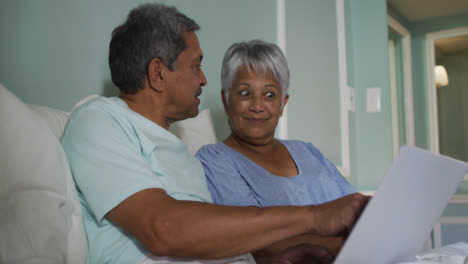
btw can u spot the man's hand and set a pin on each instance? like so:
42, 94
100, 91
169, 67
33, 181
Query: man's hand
339, 216
305, 254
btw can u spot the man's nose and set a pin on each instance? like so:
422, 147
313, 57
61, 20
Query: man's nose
203, 80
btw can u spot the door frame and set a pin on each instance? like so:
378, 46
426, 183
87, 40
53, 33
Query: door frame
431, 84
394, 97
432, 89
407, 79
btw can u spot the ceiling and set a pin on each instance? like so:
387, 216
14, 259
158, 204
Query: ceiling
451, 45
418, 10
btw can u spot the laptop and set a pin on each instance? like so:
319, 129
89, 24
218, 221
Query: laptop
406, 206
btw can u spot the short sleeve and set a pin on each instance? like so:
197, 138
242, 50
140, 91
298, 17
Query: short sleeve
225, 183
344, 186
105, 160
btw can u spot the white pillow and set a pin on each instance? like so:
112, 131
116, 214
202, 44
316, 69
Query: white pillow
54, 118
40, 213
195, 132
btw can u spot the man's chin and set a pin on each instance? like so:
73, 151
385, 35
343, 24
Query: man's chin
193, 113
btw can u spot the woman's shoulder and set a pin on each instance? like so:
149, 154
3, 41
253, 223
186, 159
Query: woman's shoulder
303, 148
299, 144
213, 152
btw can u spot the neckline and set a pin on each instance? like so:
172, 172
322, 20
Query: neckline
148, 122
291, 153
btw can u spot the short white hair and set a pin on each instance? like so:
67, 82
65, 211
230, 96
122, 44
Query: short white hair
258, 56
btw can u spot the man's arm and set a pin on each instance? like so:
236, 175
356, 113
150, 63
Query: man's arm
187, 229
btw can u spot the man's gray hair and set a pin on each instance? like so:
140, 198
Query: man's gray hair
258, 56
150, 31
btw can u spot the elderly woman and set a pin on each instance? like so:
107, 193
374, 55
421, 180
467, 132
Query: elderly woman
253, 168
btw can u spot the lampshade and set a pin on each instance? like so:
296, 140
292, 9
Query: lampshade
441, 76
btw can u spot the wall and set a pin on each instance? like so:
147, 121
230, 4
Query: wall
55, 52
399, 82
368, 66
311, 46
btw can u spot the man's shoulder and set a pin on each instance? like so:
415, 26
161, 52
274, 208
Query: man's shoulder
97, 114
98, 104
97, 110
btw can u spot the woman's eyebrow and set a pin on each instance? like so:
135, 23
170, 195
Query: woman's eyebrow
243, 83
270, 85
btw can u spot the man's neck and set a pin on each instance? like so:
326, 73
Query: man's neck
146, 105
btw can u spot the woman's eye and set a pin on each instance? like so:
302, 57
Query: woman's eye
244, 93
270, 95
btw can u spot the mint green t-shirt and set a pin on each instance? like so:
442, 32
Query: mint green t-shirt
115, 152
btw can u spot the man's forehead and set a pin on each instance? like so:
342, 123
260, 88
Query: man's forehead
193, 45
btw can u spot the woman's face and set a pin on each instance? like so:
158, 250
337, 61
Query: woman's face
255, 106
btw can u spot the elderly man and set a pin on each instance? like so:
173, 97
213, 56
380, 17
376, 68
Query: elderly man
145, 199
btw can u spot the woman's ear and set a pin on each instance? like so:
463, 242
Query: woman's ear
285, 101
225, 104
155, 74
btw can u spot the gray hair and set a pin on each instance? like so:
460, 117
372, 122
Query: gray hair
150, 31
259, 56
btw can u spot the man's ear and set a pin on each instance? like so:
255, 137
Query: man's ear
226, 107
155, 74
285, 101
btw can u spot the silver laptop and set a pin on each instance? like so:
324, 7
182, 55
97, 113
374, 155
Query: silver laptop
405, 208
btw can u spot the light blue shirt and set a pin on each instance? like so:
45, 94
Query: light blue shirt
233, 179
115, 152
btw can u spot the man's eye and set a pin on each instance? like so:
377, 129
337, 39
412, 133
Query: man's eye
197, 67
244, 93
270, 95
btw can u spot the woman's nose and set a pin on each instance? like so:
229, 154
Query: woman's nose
256, 104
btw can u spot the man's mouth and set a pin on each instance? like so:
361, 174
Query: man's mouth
199, 92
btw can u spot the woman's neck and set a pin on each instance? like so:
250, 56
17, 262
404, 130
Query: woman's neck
242, 145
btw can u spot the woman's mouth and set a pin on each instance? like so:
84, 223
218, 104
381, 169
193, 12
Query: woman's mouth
256, 120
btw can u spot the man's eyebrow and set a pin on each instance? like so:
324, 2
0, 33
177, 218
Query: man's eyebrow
198, 59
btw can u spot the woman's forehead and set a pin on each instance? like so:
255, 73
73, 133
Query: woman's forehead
252, 73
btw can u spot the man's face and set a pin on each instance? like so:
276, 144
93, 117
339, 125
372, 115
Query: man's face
185, 82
